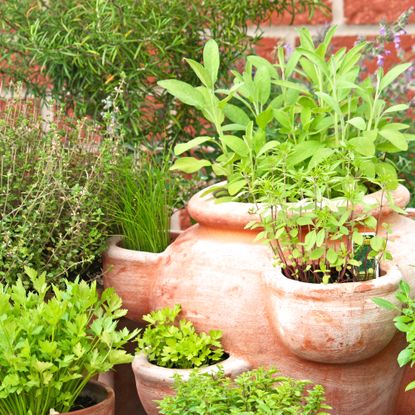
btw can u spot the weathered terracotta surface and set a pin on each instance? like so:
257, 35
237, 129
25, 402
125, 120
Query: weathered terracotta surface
333, 323
132, 274
101, 393
155, 382
215, 271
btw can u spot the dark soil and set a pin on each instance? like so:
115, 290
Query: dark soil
83, 402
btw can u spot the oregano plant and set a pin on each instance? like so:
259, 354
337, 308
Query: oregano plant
256, 392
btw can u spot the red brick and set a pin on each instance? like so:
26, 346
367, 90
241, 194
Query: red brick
320, 17
266, 48
373, 11
407, 43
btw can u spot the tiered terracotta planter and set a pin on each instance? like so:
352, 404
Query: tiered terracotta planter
216, 270
155, 382
103, 394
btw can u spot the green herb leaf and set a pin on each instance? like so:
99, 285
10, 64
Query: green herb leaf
211, 59
189, 164
183, 91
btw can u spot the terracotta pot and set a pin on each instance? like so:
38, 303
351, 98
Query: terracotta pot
215, 271
155, 382
411, 213
333, 323
132, 274
102, 394
179, 221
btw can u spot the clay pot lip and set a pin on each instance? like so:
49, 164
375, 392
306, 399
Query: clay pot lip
410, 212
108, 401
144, 369
115, 251
236, 215
277, 281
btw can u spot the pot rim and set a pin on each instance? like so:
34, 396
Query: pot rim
144, 369
236, 215
411, 212
277, 281
110, 397
115, 251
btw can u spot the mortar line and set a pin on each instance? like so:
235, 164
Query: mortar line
338, 12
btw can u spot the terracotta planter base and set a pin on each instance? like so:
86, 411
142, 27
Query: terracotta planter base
215, 271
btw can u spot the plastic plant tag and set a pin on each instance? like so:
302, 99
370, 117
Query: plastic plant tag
369, 267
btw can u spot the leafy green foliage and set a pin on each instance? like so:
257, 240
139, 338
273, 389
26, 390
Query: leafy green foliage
310, 105
53, 341
399, 91
308, 139
257, 392
143, 200
53, 186
85, 48
405, 323
168, 342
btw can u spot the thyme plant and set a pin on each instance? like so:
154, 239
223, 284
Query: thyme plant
53, 187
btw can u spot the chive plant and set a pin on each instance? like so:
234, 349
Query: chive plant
143, 202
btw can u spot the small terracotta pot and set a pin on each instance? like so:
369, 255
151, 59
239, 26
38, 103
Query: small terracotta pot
101, 393
155, 382
131, 273
333, 323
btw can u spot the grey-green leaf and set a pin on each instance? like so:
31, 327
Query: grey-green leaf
236, 144
201, 73
358, 122
183, 92
394, 73
189, 164
236, 114
211, 59
395, 137
182, 147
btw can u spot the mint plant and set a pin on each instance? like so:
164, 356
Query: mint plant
173, 343
53, 341
404, 322
306, 139
257, 392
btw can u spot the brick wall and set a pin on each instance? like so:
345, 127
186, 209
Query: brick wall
354, 18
